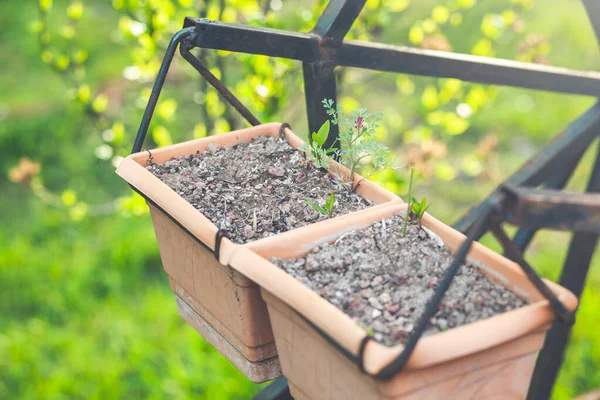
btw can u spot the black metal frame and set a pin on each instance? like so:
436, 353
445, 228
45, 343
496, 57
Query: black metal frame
517, 201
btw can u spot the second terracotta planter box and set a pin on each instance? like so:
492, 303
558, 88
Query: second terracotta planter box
219, 302
491, 358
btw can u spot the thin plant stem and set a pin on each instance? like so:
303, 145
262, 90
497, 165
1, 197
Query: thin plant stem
410, 183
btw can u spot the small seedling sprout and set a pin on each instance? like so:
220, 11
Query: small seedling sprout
358, 148
327, 209
414, 207
418, 208
315, 150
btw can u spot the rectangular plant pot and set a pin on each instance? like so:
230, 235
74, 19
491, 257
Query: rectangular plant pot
223, 298
491, 358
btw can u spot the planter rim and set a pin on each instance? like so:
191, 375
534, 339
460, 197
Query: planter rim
132, 169
431, 350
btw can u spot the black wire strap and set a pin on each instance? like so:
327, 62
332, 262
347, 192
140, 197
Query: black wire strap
560, 310
282, 129
184, 39
221, 233
361, 352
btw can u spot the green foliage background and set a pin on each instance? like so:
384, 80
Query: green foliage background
85, 309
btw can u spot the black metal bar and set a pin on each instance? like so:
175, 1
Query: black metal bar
552, 209
375, 56
251, 40
157, 88
218, 85
574, 274
562, 312
548, 162
278, 390
524, 236
408, 60
337, 18
320, 84
593, 11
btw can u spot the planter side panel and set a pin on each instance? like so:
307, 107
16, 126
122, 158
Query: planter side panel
320, 372
257, 371
234, 300
251, 353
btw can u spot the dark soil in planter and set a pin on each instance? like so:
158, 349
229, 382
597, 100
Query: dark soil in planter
256, 189
383, 281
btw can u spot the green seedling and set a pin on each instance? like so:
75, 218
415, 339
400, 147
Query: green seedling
359, 151
419, 208
315, 150
327, 209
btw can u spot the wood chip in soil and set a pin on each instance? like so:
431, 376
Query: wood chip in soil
383, 280
255, 189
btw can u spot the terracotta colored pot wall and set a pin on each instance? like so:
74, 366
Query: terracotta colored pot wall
479, 357
223, 305
317, 371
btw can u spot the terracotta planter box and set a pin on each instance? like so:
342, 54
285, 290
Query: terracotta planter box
491, 358
209, 293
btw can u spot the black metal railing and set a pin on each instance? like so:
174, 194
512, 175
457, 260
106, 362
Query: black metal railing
516, 201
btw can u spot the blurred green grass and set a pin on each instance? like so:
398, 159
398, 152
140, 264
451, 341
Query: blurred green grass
86, 311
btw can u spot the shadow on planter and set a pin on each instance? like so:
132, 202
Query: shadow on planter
491, 357
220, 303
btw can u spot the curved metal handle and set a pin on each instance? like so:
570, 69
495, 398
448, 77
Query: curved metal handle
185, 38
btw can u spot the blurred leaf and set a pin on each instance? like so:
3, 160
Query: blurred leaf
429, 98
75, 10
79, 211
429, 26
166, 109
222, 126
161, 136
84, 93
199, 130
47, 56
398, 5
492, 25
100, 103
456, 19
68, 197
118, 132
454, 124
416, 35
465, 3
445, 171
476, 97
45, 5
440, 14
67, 31
483, 47
80, 56
62, 62
405, 84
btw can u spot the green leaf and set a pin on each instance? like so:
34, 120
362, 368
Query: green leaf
416, 35
68, 197
45, 5
321, 136
329, 204
75, 10
316, 207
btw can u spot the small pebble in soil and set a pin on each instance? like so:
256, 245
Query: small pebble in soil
255, 189
386, 280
